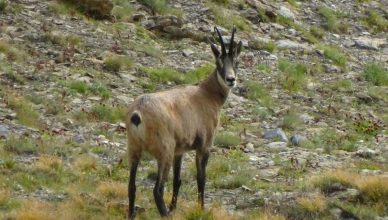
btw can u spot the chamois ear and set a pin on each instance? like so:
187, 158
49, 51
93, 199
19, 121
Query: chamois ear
216, 52
238, 50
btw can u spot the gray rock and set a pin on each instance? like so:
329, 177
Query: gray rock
249, 148
277, 145
297, 139
277, 133
79, 138
4, 132
366, 153
285, 12
187, 52
289, 44
369, 43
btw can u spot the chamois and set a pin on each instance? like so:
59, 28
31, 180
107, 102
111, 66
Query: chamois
166, 124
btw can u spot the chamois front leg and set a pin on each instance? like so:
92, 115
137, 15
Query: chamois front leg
201, 162
132, 188
163, 169
177, 181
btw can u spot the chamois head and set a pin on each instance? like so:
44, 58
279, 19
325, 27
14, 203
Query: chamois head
226, 62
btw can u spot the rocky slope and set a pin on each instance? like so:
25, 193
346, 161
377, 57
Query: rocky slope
312, 96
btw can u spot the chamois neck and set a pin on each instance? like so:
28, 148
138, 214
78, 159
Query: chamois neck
212, 85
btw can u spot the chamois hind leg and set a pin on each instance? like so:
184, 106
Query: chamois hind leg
132, 186
201, 162
177, 181
163, 169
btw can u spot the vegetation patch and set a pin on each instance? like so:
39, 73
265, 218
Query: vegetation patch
3, 5
335, 55
294, 75
269, 46
375, 21
226, 139
166, 75
116, 63
84, 88
25, 112
12, 52
161, 7
292, 121
333, 22
259, 93
227, 19
376, 74
122, 10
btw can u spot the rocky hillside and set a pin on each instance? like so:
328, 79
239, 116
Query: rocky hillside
303, 136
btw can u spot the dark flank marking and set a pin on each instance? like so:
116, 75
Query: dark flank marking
135, 119
198, 141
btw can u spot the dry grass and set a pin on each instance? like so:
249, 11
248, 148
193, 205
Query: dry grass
4, 196
36, 210
314, 204
85, 163
372, 188
25, 112
112, 189
48, 163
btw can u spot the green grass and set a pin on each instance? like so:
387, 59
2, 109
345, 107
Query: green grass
291, 121
13, 53
226, 139
269, 46
59, 38
332, 19
161, 7
342, 85
263, 68
317, 32
115, 63
335, 55
149, 49
259, 93
25, 112
122, 10
376, 74
165, 75
375, 21
20, 145
3, 5
294, 75
227, 19
330, 140
85, 89
102, 112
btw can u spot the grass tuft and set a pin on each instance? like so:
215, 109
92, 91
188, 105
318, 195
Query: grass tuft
25, 112
332, 20
335, 55
376, 74
258, 92
226, 18
375, 21
116, 63
294, 75
226, 139
112, 189
312, 205
3, 5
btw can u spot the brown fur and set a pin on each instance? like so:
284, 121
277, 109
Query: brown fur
169, 123
173, 119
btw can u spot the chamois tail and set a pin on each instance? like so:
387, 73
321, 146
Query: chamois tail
136, 118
